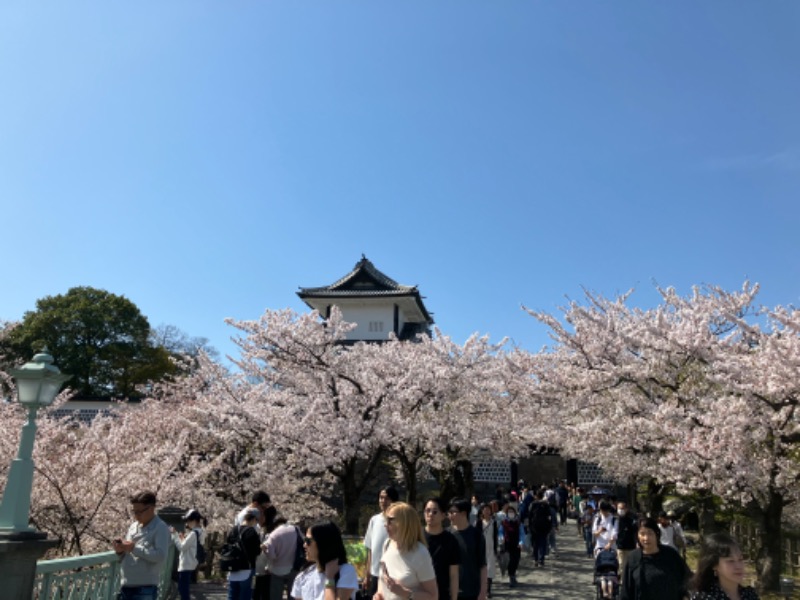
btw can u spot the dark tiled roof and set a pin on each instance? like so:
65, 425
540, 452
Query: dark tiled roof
364, 278
366, 281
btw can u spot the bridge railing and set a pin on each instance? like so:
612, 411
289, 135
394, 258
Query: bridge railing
90, 577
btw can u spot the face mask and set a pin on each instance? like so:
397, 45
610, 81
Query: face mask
622, 513
511, 516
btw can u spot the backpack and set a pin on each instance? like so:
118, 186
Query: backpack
232, 556
201, 552
299, 552
539, 521
599, 518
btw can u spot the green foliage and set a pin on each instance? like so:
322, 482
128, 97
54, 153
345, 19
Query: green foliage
356, 555
99, 338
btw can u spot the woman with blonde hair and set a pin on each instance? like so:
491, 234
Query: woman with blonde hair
406, 568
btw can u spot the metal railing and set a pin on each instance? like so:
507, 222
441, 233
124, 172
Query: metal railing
90, 577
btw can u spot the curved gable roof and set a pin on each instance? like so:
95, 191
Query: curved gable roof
365, 281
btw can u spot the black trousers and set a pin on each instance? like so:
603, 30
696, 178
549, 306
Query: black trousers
513, 560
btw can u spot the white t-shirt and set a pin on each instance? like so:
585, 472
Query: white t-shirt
409, 569
667, 535
310, 584
609, 535
374, 540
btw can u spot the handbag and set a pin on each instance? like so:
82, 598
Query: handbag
503, 559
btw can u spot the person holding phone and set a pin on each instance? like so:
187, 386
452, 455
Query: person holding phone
605, 529
407, 571
144, 550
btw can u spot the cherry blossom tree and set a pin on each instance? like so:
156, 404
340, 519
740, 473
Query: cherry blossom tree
450, 402
701, 391
318, 397
340, 408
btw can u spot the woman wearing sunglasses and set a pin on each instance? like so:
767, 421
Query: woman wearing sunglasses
330, 577
406, 568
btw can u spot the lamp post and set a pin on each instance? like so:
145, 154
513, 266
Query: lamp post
21, 545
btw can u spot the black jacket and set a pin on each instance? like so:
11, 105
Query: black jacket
626, 532
660, 576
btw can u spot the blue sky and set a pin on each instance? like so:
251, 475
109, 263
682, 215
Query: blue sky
205, 159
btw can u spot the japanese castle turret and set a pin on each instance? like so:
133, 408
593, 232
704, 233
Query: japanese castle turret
375, 302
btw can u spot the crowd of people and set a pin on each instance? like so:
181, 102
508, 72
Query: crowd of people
416, 556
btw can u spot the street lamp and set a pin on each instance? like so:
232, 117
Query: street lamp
38, 383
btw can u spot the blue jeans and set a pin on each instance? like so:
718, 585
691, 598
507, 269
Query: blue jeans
587, 537
240, 590
147, 592
539, 548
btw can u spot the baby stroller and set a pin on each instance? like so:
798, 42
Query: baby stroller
606, 574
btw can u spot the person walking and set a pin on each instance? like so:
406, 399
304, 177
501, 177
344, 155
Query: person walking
513, 542
488, 525
626, 534
407, 566
376, 537
605, 528
720, 571
654, 571
540, 522
443, 548
472, 584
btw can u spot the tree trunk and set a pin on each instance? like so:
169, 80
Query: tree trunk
409, 468
705, 509
350, 496
768, 555
653, 498
353, 476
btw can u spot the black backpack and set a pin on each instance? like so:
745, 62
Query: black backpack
232, 556
539, 521
201, 552
299, 552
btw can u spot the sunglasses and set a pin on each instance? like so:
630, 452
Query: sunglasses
308, 540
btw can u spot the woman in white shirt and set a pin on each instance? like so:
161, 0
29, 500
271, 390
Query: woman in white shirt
407, 568
186, 543
331, 577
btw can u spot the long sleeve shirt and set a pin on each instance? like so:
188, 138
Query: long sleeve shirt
187, 559
143, 565
280, 548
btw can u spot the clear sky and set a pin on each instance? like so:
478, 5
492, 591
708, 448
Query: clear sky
205, 159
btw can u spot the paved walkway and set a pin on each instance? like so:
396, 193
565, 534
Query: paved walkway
567, 576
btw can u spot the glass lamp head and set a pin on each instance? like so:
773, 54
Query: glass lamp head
38, 381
